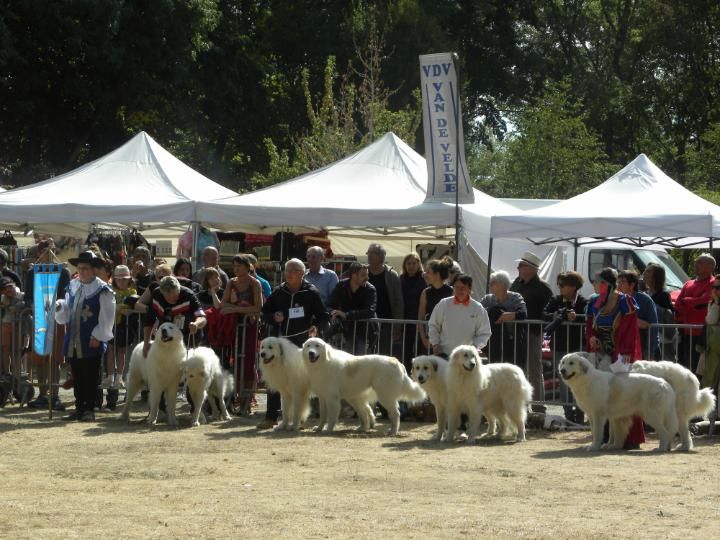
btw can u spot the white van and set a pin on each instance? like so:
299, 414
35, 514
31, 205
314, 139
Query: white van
591, 258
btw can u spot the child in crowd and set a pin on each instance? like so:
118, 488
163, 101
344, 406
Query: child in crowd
123, 287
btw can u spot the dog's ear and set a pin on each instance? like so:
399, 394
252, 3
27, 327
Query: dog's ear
434, 364
281, 347
585, 366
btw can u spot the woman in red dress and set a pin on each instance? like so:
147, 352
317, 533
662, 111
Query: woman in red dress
242, 298
612, 330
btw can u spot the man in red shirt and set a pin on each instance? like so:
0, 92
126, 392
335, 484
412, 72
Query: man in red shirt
691, 307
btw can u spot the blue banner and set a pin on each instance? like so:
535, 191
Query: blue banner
45, 282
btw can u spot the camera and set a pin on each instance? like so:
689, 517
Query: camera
561, 315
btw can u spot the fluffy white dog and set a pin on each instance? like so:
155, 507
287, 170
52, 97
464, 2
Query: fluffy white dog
617, 397
284, 371
690, 401
335, 375
431, 373
161, 371
500, 392
205, 379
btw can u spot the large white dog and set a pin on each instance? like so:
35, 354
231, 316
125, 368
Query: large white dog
500, 392
335, 375
431, 373
690, 401
205, 379
161, 371
617, 397
284, 370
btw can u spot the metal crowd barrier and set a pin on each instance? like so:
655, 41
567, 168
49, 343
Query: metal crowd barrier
522, 343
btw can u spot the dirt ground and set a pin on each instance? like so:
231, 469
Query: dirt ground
228, 480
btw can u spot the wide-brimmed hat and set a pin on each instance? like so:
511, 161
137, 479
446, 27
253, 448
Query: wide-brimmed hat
529, 258
87, 257
121, 271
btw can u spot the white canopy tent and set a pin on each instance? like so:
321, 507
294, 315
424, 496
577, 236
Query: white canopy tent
380, 187
639, 205
376, 194
140, 184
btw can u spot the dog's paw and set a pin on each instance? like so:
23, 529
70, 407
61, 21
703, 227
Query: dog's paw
317, 429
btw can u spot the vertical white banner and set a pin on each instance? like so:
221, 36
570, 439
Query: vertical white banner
442, 126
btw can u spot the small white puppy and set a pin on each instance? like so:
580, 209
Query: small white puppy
617, 397
161, 371
431, 373
206, 379
690, 401
284, 370
499, 391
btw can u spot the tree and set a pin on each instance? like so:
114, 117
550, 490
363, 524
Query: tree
551, 153
347, 118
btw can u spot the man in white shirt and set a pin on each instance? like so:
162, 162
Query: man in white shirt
459, 320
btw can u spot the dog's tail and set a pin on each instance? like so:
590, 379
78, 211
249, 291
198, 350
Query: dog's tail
526, 389
704, 403
412, 391
228, 383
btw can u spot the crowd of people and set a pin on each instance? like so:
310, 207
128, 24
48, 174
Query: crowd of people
369, 308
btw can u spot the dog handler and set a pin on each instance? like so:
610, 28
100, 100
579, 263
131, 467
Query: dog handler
611, 329
459, 320
88, 310
294, 310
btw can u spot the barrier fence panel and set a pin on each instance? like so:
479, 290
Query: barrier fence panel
523, 343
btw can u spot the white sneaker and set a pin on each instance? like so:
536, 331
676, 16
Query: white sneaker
118, 382
107, 382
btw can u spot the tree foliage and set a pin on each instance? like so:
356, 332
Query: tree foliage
550, 151
243, 90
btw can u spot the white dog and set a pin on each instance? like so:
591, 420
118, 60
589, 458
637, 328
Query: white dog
205, 379
431, 373
335, 375
284, 370
617, 397
690, 401
500, 392
161, 371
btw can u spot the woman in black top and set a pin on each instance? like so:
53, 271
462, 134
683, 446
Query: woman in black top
412, 282
435, 275
211, 291
567, 307
654, 278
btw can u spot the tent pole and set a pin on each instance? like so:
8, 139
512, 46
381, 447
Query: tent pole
489, 265
458, 119
575, 253
195, 238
